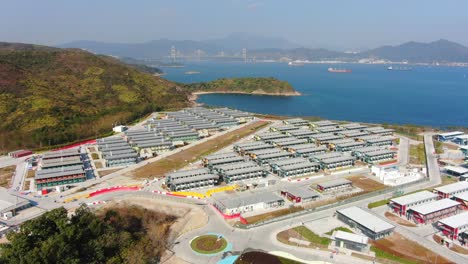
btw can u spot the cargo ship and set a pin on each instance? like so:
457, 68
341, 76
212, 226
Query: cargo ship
338, 70
391, 68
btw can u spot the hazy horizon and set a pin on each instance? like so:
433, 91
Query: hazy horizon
332, 24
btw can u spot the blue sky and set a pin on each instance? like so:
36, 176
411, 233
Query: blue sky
313, 23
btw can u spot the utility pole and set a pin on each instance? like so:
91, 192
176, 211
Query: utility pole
173, 54
244, 54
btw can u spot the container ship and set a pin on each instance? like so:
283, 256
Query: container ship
338, 70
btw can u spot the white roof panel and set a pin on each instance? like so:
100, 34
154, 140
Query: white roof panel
414, 197
434, 206
456, 221
454, 187
351, 237
366, 219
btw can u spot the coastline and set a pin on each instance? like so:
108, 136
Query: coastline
194, 95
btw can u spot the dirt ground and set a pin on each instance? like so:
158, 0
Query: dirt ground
6, 175
455, 248
183, 158
399, 220
190, 217
103, 173
273, 214
400, 246
30, 174
366, 184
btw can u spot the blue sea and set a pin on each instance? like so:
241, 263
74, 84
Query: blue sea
427, 95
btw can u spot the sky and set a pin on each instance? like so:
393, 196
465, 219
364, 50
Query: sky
340, 24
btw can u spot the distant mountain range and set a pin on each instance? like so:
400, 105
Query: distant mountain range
273, 48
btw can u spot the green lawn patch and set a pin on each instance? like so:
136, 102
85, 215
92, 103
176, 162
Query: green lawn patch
341, 228
379, 253
417, 154
208, 244
378, 203
311, 236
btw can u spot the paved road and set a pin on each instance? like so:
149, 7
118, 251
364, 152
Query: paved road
433, 169
403, 151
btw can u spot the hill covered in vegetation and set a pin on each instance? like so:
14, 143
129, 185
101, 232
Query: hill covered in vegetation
116, 235
266, 86
50, 96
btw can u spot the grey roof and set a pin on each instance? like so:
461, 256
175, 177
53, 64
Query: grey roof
454, 187
221, 156
337, 159
284, 162
302, 192
243, 171
329, 129
302, 132
59, 169
456, 221
324, 123
65, 161
435, 206
287, 139
245, 200
266, 151
379, 152
354, 133
341, 235
249, 144
366, 219
60, 153
292, 142
195, 178
310, 150
122, 156
274, 155
351, 126
116, 148
327, 155
237, 165
188, 173
117, 152
285, 127
462, 196
59, 174
271, 135
341, 141
334, 183
9, 201
226, 160
376, 138
108, 140
457, 169
307, 146
367, 149
414, 198
297, 166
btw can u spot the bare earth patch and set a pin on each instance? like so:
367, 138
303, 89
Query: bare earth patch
366, 184
455, 248
107, 172
399, 220
183, 158
6, 174
399, 246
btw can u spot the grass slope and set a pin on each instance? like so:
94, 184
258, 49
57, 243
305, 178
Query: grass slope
50, 96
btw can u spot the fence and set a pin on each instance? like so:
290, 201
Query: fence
332, 205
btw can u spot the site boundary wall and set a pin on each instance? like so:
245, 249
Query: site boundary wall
332, 205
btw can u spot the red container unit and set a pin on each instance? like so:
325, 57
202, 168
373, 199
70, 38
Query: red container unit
20, 153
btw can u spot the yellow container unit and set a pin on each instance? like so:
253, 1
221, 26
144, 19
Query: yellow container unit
71, 199
221, 189
192, 194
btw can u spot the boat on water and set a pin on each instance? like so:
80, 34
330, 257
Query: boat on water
295, 63
391, 68
338, 70
192, 72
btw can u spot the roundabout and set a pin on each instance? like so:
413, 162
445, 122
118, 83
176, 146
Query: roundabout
209, 244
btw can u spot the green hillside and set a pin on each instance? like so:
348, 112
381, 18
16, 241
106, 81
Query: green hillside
50, 96
270, 86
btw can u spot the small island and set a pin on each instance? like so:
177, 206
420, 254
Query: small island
254, 86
